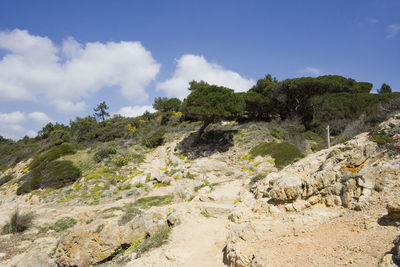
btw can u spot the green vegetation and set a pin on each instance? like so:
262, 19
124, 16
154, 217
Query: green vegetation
148, 202
257, 178
104, 153
156, 240
55, 174
6, 179
100, 111
284, 153
60, 225
165, 104
210, 104
18, 223
130, 212
295, 111
380, 139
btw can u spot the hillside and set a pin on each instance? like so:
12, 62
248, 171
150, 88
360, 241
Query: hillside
231, 207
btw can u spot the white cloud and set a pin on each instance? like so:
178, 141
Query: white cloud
31, 133
12, 118
311, 71
66, 106
34, 66
39, 117
11, 124
193, 67
134, 111
392, 30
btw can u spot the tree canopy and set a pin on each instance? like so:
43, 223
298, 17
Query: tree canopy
385, 89
212, 103
165, 104
100, 111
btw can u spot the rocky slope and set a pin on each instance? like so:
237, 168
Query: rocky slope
328, 208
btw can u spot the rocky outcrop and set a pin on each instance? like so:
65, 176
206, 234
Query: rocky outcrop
345, 174
89, 244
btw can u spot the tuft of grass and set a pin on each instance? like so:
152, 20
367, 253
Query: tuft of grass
157, 185
257, 178
284, 153
380, 139
60, 225
148, 202
6, 179
156, 240
130, 213
18, 223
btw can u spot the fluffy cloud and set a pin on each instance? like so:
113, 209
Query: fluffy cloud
311, 71
392, 30
39, 117
34, 66
193, 67
133, 111
11, 123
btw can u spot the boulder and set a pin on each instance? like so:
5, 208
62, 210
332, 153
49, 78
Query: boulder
393, 209
88, 244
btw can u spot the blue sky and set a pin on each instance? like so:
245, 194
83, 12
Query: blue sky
58, 59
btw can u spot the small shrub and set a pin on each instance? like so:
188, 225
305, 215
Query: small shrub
18, 223
148, 202
257, 178
104, 153
6, 179
380, 139
130, 213
284, 153
156, 139
156, 240
122, 160
60, 225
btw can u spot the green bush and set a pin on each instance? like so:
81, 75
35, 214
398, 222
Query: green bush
380, 139
60, 225
104, 153
18, 223
284, 153
155, 139
148, 202
55, 174
130, 213
6, 179
52, 154
156, 240
122, 160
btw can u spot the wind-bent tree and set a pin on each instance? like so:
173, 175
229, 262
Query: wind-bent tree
100, 112
211, 103
385, 89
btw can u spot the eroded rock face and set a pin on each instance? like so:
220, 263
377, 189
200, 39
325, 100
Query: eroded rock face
90, 244
345, 174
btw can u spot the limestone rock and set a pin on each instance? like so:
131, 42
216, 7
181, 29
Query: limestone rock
393, 209
286, 189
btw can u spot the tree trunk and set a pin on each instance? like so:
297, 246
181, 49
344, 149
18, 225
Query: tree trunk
201, 131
